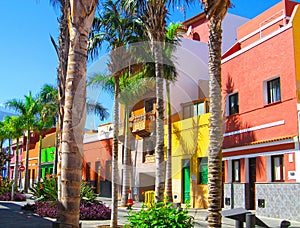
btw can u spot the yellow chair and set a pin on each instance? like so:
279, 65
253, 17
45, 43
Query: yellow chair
149, 198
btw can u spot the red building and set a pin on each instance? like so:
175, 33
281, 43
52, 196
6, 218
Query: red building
260, 81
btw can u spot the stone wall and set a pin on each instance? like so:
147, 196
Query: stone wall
237, 193
280, 200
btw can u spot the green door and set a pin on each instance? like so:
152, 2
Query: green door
186, 184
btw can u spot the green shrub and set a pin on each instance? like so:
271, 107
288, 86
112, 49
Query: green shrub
86, 192
46, 190
6, 186
160, 215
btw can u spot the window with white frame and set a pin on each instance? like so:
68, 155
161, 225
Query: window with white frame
277, 168
233, 104
236, 171
272, 88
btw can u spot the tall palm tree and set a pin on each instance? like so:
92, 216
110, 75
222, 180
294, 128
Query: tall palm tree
80, 19
170, 75
62, 50
215, 13
47, 115
3, 158
28, 110
115, 27
15, 127
49, 96
153, 15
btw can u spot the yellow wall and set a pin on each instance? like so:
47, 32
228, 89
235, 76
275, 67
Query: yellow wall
190, 139
296, 31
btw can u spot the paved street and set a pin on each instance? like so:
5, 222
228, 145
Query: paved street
12, 216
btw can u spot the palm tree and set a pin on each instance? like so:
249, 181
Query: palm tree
153, 15
215, 13
15, 127
115, 27
80, 19
28, 110
3, 158
170, 75
47, 115
49, 96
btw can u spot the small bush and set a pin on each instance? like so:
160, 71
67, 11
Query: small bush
45, 190
94, 210
160, 215
86, 192
6, 186
5, 192
88, 210
46, 209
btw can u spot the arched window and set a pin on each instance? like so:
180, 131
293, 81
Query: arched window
196, 36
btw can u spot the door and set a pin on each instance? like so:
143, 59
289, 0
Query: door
252, 180
186, 184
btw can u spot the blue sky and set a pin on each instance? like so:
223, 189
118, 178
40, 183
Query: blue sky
28, 59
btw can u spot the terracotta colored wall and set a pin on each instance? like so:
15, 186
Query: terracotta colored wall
226, 171
242, 170
201, 27
261, 169
245, 74
97, 151
289, 166
255, 22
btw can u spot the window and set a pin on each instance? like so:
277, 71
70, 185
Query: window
233, 104
277, 168
88, 171
273, 90
187, 112
236, 171
195, 109
203, 170
199, 109
149, 105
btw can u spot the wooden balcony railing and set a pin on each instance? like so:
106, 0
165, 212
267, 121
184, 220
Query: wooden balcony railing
143, 125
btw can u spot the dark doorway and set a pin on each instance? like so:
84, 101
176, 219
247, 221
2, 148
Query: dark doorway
252, 180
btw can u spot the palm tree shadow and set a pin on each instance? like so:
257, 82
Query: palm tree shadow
188, 146
238, 128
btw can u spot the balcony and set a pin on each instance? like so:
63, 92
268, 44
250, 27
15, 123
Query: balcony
143, 125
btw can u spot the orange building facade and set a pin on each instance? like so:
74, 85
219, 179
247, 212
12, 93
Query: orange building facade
97, 151
260, 83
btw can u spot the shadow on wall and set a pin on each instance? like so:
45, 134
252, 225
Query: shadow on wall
234, 123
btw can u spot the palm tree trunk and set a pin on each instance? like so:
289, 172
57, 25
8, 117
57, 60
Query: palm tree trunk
8, 164
55, 163
40, 158
114, 211
126, 169
16, 171
169, 147
216, 135
159, 150
80, 21
64, 40
27, 177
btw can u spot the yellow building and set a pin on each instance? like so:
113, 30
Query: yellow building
190, 138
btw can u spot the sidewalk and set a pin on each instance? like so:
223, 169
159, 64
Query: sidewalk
12, 216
